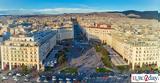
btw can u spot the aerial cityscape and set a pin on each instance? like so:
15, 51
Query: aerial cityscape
81, 41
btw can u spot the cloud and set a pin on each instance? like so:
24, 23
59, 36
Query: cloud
47, 11
67, 10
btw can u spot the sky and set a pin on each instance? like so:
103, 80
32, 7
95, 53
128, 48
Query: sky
75, 6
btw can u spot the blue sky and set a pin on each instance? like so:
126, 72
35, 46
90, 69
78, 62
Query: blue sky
78, 5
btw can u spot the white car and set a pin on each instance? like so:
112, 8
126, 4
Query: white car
110, 76
4, 78
18, 74
38, 79
27, 75
16, 79
55, 61
53, 78
118, 78
68, 79
26, 80
45, 81
43, 76
10, 74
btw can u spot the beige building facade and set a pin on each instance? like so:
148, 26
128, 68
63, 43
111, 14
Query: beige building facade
29, 50
64, 33
136, 51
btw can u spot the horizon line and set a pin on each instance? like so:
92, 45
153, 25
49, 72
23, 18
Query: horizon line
55, 11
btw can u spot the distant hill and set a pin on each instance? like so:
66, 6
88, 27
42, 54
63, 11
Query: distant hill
159, 16
142, 14
128, 13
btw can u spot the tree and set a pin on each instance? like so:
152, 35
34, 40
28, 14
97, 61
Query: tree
71, 70
61, 58
105, 58
25, 69
102, 70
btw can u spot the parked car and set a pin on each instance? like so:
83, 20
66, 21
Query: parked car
14, 76
4, 78
45, 81
38, 80
10, 74
53, 78
16, 79
26, 80
18, 74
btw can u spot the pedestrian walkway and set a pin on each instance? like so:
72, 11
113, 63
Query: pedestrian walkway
115, 57
118, 61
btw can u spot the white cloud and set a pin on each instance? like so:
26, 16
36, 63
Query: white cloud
49, 11
67, 10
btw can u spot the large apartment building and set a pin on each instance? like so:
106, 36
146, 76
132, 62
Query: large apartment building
99, 32
137, 52
64, 33
135, 49
27, 49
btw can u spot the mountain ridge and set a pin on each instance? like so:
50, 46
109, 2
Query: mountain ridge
128, 13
